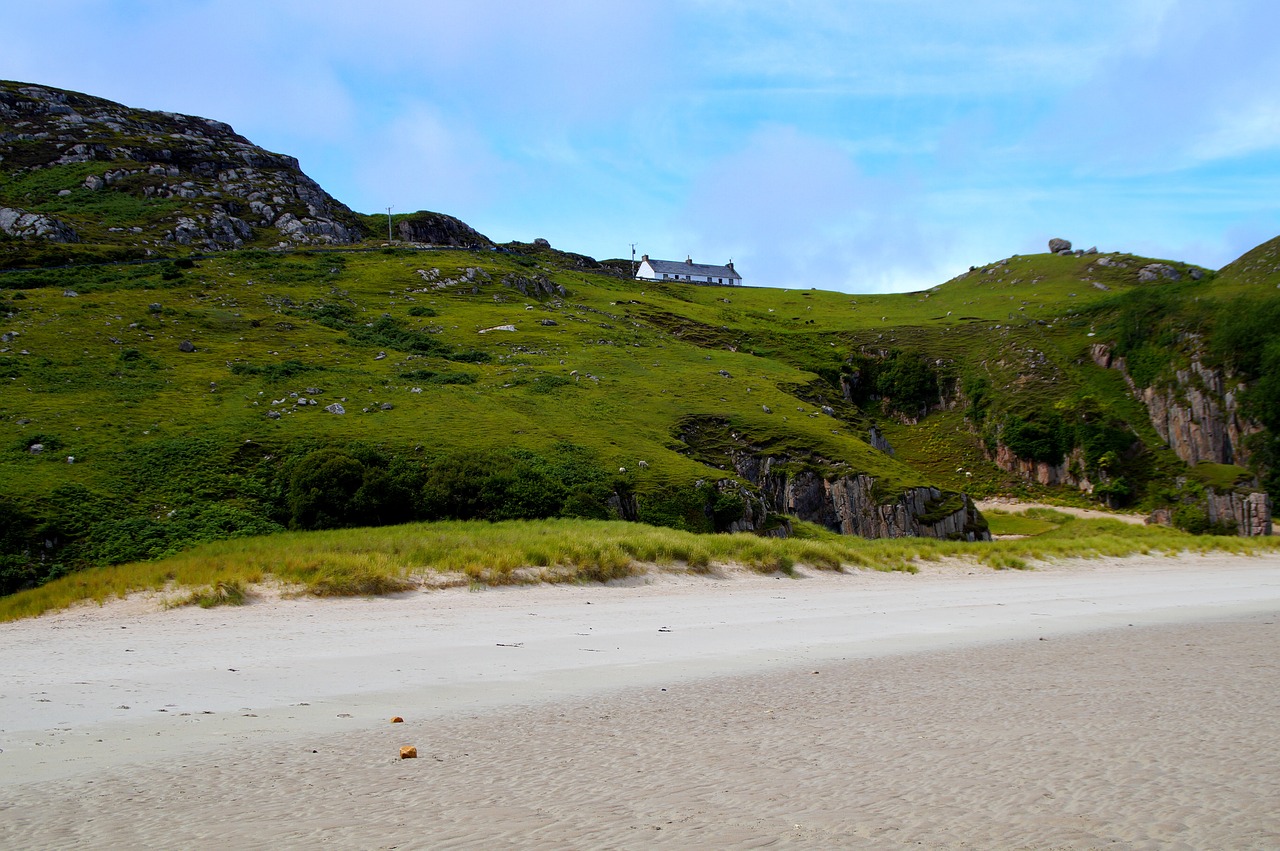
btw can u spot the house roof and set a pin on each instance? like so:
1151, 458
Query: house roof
676, 267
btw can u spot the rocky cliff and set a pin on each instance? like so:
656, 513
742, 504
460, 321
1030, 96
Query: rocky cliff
1068, 472
76, 168
821, 491
1197, 413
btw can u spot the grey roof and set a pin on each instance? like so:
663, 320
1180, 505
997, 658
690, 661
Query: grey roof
702, 270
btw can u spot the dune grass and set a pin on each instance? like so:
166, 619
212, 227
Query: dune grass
361, 562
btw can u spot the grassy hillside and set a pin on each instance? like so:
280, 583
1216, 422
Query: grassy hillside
181, 397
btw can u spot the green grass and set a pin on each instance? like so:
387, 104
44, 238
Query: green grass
1221, 477
395, 559
1009, 523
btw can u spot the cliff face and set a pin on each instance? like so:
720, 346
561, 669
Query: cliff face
81, 168
1042, 471
1249, 513
848, 504
1198, 415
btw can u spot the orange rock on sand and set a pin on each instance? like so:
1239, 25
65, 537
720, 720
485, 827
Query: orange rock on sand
408, 752
397, 720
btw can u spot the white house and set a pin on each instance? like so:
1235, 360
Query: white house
694, 273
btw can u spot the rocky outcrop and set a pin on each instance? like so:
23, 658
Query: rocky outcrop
1059, 246
24, 225
1069, 472
1198, 414
848, 503
1250, 513
535, 287
437, 229
221, 187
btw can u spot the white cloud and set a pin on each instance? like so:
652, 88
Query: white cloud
793, 210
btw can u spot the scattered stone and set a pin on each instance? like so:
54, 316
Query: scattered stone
1093, 249
335, 408
380, 356
1058, 245
1195, 274
550, 323
1155, 271
497, 328
35, 448
396, 719
766, 409
70, 294
386, 406
408, 752
1098, 285
273, 415
828, 410
186, 347
725, 373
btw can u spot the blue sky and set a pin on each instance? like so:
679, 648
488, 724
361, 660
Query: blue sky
866, 145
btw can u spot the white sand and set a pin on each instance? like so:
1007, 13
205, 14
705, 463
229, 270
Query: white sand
683, 713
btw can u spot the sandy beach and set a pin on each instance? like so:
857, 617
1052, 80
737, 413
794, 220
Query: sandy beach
1108, 703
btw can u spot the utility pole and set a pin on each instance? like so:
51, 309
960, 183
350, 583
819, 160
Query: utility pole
389, 240
633, 260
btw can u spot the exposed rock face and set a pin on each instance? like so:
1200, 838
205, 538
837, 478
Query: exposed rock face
221, 187
1198, 415
1042, 471
1057, 245
1156, 271
847, 504
26, 225
876, 438
535, 287
1250, 512
438, 229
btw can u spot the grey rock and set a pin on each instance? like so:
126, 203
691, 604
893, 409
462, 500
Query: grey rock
766, 409
386, 406
1057, 245
273, 415
25, 225
35, 448
542, 243
724, 373
186, 347
1091, 250
550, 323
335, 408
877, 439
1155, 271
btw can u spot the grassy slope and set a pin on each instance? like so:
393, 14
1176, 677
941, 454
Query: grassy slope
104, 379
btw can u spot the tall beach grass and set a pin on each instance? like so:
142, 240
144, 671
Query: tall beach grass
354, 562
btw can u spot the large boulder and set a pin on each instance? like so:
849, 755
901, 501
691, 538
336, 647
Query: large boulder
1057, 245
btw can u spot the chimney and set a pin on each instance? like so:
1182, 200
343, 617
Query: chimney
689, 260
644, 258
730, 265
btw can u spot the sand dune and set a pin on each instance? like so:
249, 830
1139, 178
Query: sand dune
1126, 704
